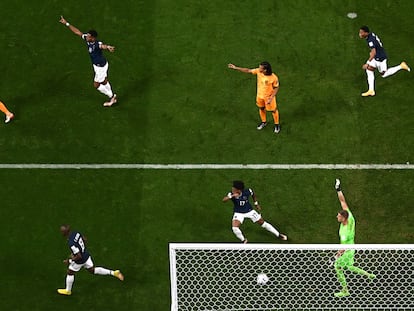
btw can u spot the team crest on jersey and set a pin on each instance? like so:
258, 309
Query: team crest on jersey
91, 48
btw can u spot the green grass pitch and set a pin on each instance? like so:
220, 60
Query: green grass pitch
179, 103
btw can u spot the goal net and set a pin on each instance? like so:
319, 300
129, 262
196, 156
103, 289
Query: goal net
207, 277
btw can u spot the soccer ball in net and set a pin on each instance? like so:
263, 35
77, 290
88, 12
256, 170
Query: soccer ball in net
262, 279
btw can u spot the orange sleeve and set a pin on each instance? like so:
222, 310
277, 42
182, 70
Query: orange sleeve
255, 71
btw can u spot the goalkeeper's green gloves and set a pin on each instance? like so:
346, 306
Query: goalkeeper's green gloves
337, 185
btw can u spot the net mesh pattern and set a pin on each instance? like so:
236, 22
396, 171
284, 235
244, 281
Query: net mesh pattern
298, 280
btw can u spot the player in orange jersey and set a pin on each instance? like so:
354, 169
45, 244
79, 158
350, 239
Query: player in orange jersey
267, 88
9, 115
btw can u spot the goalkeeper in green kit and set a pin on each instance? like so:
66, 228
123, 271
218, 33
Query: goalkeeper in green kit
344, 259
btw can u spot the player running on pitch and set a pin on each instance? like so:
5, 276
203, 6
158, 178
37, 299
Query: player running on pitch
344, 259
80, 258
377, 59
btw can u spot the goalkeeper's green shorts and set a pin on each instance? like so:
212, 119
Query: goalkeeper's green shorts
346, 260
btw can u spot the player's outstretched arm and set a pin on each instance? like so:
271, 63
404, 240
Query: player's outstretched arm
241, 69
75, 30
108, 47
341, 196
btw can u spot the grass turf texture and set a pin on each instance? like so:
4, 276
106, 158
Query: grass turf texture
178, 103
130, 224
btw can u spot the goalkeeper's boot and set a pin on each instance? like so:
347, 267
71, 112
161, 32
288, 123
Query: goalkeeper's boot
64, 291
405, 66
342, 293
371, 276
118, 275
368, 93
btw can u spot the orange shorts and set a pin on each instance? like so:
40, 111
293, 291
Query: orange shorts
261, 102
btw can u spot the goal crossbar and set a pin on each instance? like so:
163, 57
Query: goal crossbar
217, 246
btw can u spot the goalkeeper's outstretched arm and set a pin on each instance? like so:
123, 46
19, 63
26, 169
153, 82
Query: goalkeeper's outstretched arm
341, 196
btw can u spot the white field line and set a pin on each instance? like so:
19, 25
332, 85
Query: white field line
211, 166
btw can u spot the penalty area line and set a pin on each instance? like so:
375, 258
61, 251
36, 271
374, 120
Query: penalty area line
98, 166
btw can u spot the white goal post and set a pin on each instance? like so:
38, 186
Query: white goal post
223, 277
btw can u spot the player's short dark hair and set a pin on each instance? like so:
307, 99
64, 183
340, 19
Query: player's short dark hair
267, 67
93, 33
344, 214
238, 184
364, 28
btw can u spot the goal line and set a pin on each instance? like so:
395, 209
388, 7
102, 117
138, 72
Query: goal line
138, 166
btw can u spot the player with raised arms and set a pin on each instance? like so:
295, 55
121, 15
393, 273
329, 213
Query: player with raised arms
344, 259
80, 258
99, 62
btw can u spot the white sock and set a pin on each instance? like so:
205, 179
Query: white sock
391, 71
102, 88
270, 228
69, 282
238, 233
371, 79
103, 271
109, 89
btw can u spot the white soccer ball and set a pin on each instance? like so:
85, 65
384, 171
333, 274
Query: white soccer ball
262, 279
352, 15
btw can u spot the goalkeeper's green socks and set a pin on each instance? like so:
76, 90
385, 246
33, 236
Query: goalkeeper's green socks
341, 278
361, 272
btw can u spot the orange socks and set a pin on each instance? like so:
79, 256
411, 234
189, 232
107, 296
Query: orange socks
276, 116
4, 109
262, 113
